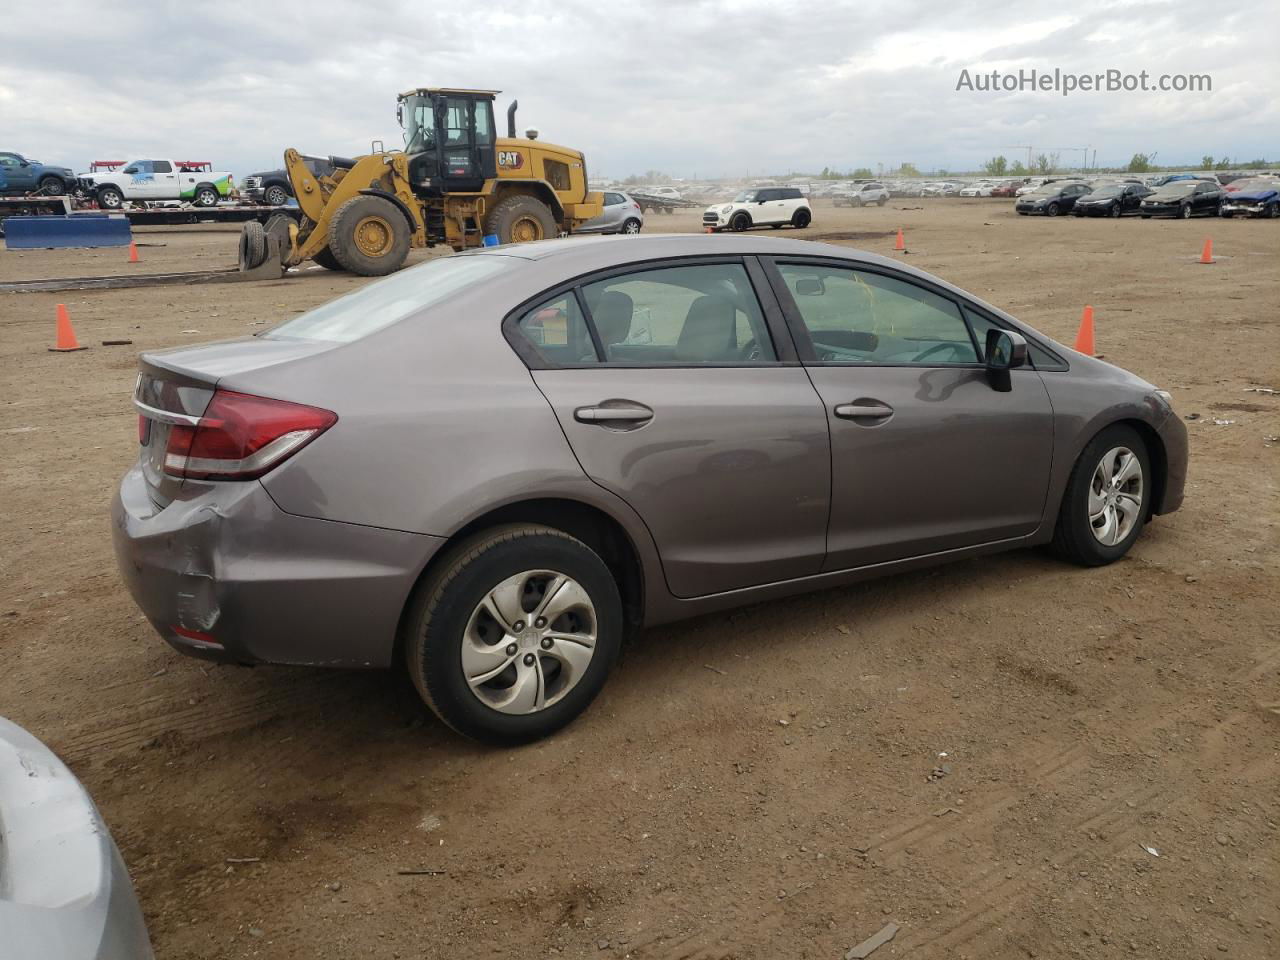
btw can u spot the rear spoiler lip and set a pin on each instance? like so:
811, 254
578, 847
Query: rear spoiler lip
154, 366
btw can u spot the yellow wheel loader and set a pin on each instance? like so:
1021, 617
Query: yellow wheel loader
456, 182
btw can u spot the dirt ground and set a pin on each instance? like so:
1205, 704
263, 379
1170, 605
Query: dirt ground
756, 785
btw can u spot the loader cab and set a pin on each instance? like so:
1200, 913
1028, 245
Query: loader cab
450, 138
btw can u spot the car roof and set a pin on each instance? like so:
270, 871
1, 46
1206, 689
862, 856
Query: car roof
593, 252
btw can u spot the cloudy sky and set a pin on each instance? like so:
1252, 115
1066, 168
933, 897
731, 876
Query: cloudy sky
713, 88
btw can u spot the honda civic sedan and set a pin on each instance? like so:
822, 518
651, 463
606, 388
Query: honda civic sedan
496, 466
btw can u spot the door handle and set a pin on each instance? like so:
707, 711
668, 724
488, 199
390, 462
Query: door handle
864, 411
617, 412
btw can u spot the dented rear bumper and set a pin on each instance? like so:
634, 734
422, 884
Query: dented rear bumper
223, 573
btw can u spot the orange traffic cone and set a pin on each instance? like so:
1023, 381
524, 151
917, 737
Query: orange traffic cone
65, 336
1084, 338
901, 244
1206, 255
133, 252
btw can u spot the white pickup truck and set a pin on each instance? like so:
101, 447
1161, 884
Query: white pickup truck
193, 180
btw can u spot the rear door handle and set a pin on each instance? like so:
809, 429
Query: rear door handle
864, 410
614, 411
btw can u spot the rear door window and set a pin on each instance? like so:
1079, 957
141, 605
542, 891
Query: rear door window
702, 314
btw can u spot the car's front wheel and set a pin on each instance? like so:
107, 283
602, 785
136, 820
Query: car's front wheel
52, 186
514, 633
1051, 210
275, 195
1184, 212
1105, 504
740, 222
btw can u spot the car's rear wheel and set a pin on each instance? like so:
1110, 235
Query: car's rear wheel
882, 201
631, 226
514, 633
206, 195
801, 218
1105, 504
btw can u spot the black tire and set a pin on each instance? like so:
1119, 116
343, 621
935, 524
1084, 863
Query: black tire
520, 218
801, 218
1115, 210
110, 198
741, 221
206, 195
1073, 537
325, 258
1051, 210
442, 605
275, 195
52, 186
882, 201
380, 226
632, 226
1184, 212
1146, 216
253, 244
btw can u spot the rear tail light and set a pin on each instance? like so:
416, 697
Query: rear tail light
241, 437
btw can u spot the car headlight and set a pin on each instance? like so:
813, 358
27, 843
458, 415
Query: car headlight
726, 208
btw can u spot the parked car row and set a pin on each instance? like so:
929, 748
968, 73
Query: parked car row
1179, 197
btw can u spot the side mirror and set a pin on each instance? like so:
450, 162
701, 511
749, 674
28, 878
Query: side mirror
1005, 350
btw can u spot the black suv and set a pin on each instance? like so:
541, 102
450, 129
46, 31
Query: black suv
273, 187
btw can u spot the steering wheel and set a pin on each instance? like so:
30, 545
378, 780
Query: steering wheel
938, 348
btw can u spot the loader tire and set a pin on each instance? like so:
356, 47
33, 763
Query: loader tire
369, 236
253, 245
324, 256
521, 219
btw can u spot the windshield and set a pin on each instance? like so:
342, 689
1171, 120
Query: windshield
1179, 187
746, 196
1109, 191
419, 124
381, 304
1047, 190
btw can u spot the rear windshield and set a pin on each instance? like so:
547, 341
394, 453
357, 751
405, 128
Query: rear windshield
381, 304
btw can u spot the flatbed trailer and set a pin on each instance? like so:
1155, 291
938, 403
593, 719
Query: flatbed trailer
653, 201
35, 206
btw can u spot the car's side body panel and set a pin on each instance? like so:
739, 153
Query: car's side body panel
731, 475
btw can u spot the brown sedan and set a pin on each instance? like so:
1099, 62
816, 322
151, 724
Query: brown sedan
495, 466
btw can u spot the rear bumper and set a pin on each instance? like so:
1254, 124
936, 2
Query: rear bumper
228, 576
66, 892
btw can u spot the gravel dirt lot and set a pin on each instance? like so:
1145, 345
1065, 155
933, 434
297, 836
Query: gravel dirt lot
979, 753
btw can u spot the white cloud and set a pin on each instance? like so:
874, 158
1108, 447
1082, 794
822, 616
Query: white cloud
714, 87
